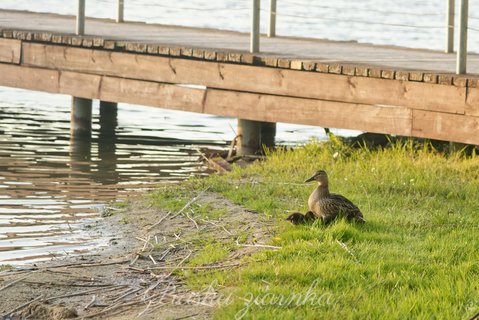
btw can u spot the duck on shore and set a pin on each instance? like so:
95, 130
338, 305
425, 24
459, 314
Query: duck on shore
325, 205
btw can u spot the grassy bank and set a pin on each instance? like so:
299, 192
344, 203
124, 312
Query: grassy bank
417, 256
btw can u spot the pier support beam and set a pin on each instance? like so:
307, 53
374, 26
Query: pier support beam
252, 135
108, 117
80, 123
107, 140
268, 134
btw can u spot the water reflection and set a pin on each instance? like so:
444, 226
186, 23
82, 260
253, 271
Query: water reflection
53, 184
51, 187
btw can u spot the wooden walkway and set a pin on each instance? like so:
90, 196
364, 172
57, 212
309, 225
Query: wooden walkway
305, 81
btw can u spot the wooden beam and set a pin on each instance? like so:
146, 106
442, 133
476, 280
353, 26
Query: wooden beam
331, 114
29, 78
444, 126
351, 89
252, 106
472, 102
80, 85
152, 94
10, 50
90, 86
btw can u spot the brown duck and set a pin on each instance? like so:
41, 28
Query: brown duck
325, 205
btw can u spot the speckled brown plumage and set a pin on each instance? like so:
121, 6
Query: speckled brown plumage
329, 206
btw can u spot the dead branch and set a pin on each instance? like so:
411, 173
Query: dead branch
13, 282
129, 292
193, 220
82, 293
216, 225
89, 304
152, 259
257, 245
219, 266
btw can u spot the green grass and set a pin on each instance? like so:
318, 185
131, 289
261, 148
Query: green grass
417, 257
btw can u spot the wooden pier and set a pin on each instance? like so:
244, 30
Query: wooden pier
305, 81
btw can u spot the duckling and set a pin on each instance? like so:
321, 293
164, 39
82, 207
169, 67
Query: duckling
299, 218
328, 206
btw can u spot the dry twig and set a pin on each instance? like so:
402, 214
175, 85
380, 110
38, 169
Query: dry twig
179, 212
343, 245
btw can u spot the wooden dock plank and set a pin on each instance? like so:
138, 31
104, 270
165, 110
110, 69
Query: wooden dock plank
29, 78
472, 102
444, 126
10, 50
293, 48
271, 108
352, 89
80, 85
152, 94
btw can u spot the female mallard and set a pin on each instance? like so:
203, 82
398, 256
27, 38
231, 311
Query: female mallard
327, 206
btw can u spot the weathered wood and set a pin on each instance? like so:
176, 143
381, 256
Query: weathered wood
106, 88
472, 102
80, 85
152, 94
10, 50
29, 78
402, 75
444, 126
252, 106
394, 120
249, 78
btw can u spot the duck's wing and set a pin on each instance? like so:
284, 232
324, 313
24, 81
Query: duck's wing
342, 205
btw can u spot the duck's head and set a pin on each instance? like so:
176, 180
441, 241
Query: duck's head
320, 176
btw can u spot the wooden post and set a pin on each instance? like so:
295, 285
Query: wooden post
249, 137
107, 140
254, 42
450, 27
108, 117
80, 124
272, 18
120, 13
80, 25
462, 50
268, 134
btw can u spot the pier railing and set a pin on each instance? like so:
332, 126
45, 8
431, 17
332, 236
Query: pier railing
461, 60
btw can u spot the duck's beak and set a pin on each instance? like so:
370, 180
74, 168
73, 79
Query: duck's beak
310, 179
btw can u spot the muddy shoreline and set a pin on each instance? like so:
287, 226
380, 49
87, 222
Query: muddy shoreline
139, 274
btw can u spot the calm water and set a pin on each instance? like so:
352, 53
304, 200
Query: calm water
50, 188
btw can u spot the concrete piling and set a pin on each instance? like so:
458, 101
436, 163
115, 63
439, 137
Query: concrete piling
80, 124
268, 134
108, 117
253, 135
107, 140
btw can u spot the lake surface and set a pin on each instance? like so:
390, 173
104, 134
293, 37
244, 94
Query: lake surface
51, 188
